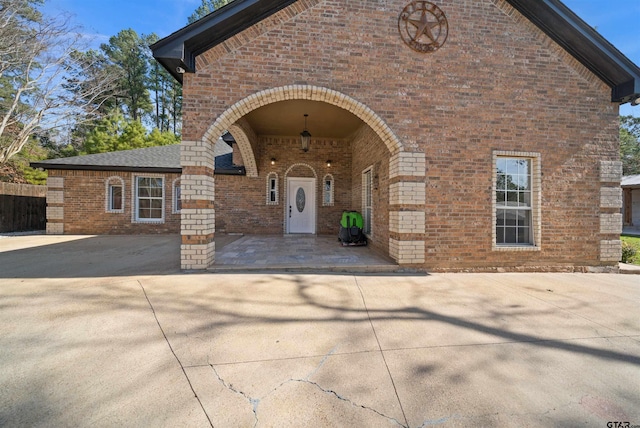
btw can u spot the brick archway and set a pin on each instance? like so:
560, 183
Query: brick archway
235, 113
407, 173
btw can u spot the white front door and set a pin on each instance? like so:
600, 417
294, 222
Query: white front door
301, 205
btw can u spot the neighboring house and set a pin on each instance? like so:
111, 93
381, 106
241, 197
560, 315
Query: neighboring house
472, 135
130, 191
631, 200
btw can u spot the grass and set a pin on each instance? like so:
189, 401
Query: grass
634, 241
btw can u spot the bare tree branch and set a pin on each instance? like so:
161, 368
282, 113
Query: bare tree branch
42, 82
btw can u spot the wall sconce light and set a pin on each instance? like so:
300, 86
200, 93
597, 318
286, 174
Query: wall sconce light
273, 161
329, 164
305, 136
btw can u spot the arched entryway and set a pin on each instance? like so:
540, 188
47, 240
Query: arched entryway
378, 164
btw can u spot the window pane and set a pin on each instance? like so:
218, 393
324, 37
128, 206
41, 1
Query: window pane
510, 218
524, 235
155, 213
176, 196
523, 166
143, 192
512, 166
156, 203
367, 220
144, 203
501, 197
523, 218
116, 197
501, 182
501, 165
500, 216
524, 199
272, 196
155, 192
368, 201
510, 235
144, 213
500, 235
522, 182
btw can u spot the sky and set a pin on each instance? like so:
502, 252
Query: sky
616, 20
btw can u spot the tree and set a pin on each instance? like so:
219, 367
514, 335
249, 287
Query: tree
114, 133
36, 57
205, 8
129, 52
167, 95
630, 144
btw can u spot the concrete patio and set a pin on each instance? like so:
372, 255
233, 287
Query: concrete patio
102, 331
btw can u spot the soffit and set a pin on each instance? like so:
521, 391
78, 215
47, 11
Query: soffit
286, 118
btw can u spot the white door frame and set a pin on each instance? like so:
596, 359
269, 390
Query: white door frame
310, 202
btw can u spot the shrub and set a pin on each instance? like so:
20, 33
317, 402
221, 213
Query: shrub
628, 252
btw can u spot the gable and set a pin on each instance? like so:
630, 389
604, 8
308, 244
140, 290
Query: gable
178, 52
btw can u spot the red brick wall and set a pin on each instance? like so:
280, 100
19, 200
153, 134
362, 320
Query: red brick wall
370, 151
497, 84
241, 201
85, 209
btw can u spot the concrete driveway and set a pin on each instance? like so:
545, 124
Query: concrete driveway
105, 331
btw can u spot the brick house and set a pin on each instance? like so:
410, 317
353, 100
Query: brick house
472, 134
125, 192
631, 201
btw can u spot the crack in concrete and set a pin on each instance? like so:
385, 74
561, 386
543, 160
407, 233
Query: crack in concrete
255, 402
173, 352
339, 397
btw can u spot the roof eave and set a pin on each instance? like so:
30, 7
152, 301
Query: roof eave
177, 52
235, 170
75, 167
586, 45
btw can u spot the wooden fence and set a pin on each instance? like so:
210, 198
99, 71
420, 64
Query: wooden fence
23, 207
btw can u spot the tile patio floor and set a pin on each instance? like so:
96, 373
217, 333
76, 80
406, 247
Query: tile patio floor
296, 252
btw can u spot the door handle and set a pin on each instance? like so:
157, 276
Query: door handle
289, 211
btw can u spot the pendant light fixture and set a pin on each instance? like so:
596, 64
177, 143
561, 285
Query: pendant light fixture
305, 136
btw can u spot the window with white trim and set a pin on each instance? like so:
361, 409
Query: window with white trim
149, 199
327, 190
272, 189
177, 202
367, 200
516, 200
114, 195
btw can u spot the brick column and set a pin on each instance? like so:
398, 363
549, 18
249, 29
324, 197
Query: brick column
55, 205
610, 216
197, 189
407, 198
